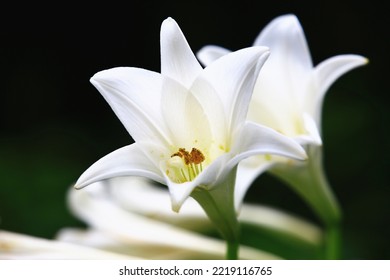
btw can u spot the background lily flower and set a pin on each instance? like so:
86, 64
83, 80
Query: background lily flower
288, 97
129, 215
21, 246
189, 125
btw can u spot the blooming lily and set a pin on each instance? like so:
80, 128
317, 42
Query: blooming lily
288, 97
189, 125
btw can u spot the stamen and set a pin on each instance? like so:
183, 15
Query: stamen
196, 156
193, 160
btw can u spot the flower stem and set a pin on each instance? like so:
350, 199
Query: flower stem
310, 182
232, 250
218, 203
332, 242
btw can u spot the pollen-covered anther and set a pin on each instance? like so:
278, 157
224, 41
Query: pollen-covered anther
192, 164
195, 156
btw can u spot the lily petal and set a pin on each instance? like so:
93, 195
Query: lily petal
328, 71
281, 221
185, 117
208, 54
133, 94
94, 207
280, 104
126, 161
233, 77
208, 178
312, 135
259, 139
284, 35
177, 59
248, 172
144, 197
21, 246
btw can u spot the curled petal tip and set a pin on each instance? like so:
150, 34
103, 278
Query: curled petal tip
359, 59
175, 208
78, 187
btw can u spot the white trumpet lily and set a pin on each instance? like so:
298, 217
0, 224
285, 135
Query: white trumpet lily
288, 97
189, 125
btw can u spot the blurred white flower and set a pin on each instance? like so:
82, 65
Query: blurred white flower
288, 97
15, 246
130, 215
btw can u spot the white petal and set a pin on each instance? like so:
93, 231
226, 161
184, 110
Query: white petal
281, 221
208, 178
177, 59
214, 111
135, 96
285, 38
126, 161
208, 54
312, 135
146, 198
98, 211
90, 237
328, 71
281, 91
233, 77
20, 246
185, 118
248, 171
257, 139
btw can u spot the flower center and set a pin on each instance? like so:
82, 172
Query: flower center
184, 166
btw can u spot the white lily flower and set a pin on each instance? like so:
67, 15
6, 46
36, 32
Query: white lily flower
288, 97
129, 215
189, 125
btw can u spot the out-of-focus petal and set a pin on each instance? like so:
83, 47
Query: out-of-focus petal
233, 77
19, 246
208, 54
328, 71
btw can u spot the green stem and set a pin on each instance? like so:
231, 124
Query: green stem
232, 250
332, 242
310, 182
218, 203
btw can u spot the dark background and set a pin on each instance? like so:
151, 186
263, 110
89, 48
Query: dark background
54, 123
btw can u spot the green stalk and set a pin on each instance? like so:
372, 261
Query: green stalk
310, 182
218, 203
332, 243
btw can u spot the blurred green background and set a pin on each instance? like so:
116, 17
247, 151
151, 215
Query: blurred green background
54, 123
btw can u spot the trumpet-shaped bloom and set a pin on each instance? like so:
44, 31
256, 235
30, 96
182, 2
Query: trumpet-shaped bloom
288, 97
188, 123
